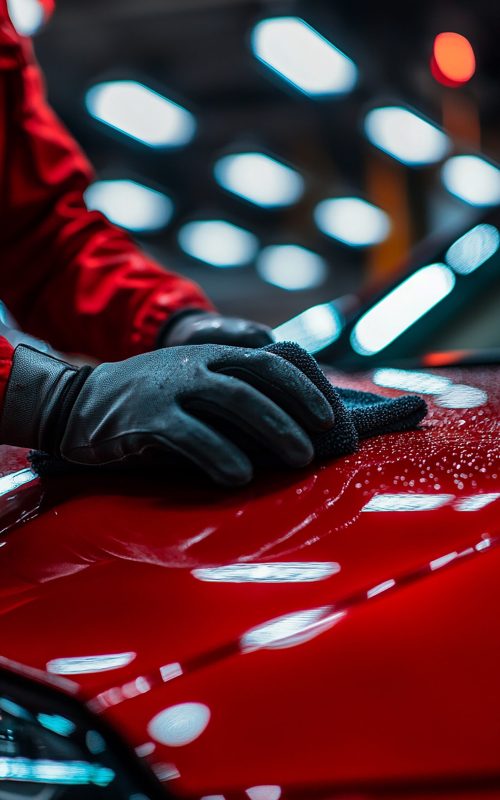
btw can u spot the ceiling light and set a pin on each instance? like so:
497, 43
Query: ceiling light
291, 267
302, 56
352, 221
259, 179
129, 204
472, 179
405, 136
140, 112
218, 242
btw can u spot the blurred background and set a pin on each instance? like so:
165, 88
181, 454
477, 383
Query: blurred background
289, 154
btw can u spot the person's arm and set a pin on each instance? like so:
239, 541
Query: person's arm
6, 354
67, 274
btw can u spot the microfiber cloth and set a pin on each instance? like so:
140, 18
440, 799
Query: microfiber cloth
358, 415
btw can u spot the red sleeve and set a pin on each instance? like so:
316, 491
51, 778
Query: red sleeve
6, 352
67, 274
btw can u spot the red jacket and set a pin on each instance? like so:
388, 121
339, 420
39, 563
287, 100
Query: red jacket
67, 274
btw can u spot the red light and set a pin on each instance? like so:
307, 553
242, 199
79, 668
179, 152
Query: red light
445, 358
453, 61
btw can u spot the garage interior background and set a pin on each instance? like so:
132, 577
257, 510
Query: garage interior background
219, 60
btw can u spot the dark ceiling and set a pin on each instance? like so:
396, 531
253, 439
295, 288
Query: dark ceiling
197, 52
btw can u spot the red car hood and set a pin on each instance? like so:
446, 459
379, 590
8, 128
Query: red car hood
329, 628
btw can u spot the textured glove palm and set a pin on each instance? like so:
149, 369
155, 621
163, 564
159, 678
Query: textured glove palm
165, 402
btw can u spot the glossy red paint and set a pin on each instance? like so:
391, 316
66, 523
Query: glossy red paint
385, 567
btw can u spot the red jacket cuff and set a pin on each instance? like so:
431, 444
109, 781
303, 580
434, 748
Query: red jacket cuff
160, 305
6, 353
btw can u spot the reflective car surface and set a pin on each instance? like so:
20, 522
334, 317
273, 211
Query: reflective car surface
332, 631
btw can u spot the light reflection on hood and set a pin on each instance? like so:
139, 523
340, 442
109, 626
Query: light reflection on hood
405, 501
79, 665
283, 572
291, 629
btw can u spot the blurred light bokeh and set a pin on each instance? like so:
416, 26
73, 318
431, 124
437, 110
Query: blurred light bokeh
305, 147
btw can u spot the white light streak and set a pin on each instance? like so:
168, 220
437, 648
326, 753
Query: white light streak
475, 502
291, 629
407, 502
401, 308
259, 179
291, 267
473, 249
134, 688
410, 380
134, 109
472, 179
272, 572
462, 396
263, 792
170, 671
381, 587
80, 665
130, 204
483, 545
218, 243
146, 749
313, 329
179, 725
437, 563
8, 483
352, 221
302, 56
405, 136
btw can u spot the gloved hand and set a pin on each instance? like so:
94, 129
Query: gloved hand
203, 327
164, 402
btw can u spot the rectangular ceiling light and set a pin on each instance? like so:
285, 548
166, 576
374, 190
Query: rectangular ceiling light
302, 56
472, 179
129, 204
352, 221
259, 179
218, 242
134, 109
406, 136
291, 267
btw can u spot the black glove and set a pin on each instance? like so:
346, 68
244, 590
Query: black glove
165, 403
203, 327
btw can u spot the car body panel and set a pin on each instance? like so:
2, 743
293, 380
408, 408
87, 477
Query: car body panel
385, 567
